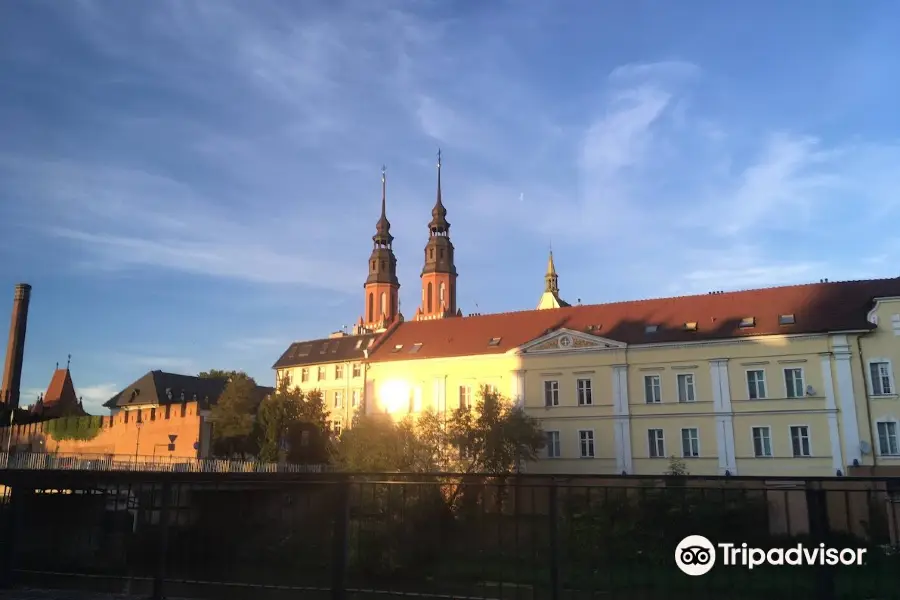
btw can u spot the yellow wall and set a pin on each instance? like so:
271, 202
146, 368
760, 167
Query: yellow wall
394, 386
339, 381
880, 346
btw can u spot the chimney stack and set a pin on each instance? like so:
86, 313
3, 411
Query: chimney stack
15, 348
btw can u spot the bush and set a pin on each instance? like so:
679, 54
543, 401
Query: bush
74, 428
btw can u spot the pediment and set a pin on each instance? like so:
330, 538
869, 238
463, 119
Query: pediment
568, 340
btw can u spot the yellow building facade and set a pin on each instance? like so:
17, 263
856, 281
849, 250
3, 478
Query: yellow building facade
763, 382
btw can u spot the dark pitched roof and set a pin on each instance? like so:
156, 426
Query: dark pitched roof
812, 308
327, 350
158, 387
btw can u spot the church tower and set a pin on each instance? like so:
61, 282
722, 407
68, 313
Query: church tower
439, 272
382, 299
550, 298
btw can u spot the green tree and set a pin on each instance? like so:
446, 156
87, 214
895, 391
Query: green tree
233, 417
293, 425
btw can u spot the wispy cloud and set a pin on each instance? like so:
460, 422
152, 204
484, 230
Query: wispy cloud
93, 396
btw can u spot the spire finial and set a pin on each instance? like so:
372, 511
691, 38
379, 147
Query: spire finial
383, 227
57, 366
68, 361
383, 191
550, 278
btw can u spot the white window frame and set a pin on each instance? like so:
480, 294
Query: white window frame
586, 440
808, 440
553, 392
354, 398
338, 399
765, 384
554, 446
657, 388
468, 396
304, 375
492, 388
696, 430
801, 393
356, 370
337, 427
657, 441
338, 372
768, 429
890, 372
896, 425
584, 395
320, 374
691, 384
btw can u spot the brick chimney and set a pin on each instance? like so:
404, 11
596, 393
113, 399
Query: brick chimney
15, 348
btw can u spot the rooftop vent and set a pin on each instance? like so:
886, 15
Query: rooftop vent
690, 326
786, 319
495, 341
748, 322
397, 348
651, 328
415, 348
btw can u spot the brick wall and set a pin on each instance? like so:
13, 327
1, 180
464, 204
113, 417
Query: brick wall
119, 434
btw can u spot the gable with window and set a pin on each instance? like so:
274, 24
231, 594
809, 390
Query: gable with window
652, 389
690, 442
762, 441
800, 440
881, 378
584, 392
888, 441
686, 387
551, 392
756, 384
656, 443
793, 382
586, 442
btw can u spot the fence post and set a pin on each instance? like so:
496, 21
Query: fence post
817, 509
340, 540
9, 530
162, 550
555, 579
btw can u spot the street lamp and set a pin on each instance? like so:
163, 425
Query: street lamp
137, 443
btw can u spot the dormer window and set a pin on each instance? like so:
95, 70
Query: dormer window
651, 329
397, 348
359, 344
690, 326
748, 322
495, 341
415, 348
786, 319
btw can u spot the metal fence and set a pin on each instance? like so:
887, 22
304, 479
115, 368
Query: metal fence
441, 536
109, 462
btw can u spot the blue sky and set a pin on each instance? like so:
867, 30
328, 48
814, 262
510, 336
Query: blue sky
193, 185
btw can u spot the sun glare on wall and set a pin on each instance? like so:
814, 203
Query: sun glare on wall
393, 396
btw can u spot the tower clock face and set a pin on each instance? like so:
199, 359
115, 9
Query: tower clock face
565, 341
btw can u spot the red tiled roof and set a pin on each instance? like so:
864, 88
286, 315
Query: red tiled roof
61, 389
816, 308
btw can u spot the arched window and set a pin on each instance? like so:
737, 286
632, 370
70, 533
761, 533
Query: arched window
429, 298
371, 307
442, 295
384, 308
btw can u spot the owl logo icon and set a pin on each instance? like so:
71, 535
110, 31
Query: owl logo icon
695, 555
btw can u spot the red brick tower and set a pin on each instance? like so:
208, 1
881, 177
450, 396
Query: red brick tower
439, 272
15, 347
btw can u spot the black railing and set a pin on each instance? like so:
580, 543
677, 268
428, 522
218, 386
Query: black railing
529, 537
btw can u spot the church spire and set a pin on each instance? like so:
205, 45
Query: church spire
383, 227
382, 286
439, 272
551, 279
439, 222
550, 298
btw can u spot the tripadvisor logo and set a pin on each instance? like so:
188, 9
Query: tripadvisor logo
696, 555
